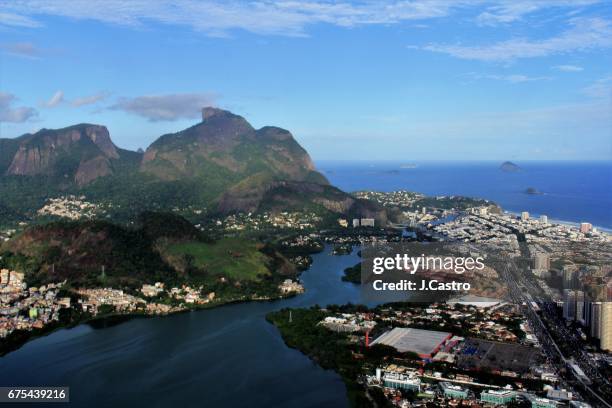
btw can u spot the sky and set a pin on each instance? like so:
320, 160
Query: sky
368, 80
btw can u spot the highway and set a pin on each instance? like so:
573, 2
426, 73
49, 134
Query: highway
523, 291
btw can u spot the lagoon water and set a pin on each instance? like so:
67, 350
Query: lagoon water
571, 191
227, 356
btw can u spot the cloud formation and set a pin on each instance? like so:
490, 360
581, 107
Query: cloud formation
8, 113
602, 88
56, 99
585, 34
506, 12
17, 20
166, 107
277, 17
514, 78
568, 68
89, 100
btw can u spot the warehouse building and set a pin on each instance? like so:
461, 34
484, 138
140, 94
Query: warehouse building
425, 343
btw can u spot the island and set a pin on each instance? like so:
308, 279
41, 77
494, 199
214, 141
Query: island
353, 274
509, 167
533, 191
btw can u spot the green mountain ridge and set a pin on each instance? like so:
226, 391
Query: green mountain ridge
221, 163
161, 247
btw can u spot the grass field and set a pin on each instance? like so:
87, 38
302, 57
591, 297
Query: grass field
231, 257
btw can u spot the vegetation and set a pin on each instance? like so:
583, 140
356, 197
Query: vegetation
353, 274
234, 258
163, 247
328, 349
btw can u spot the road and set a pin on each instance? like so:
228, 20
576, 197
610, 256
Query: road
523, 291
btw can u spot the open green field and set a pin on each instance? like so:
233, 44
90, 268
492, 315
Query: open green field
234, 258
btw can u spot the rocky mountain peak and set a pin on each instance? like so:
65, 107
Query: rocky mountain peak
210, 111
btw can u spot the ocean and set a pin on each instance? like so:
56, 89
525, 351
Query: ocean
569, 191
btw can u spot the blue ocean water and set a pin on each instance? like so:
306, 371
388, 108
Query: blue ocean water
571, 191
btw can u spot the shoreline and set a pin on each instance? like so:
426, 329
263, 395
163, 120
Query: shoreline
18, 338
560, 222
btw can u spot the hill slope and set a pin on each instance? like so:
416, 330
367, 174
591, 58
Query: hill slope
163, 247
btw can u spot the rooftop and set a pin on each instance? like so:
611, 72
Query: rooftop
422, 342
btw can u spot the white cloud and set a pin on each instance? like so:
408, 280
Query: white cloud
89, 100
585, 34
218, 17
166, 107
56, 99
602, 88
17, 20
514, 78
278, 17
568, 68
511, 11
8, 113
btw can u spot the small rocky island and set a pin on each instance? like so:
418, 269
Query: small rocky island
509, 167
533, 191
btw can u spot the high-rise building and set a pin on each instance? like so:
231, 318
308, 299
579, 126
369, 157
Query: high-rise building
595, 323
524, 216
580, 315
570, 277
605, 326
541, 261
585, 227
543, 219
569, 304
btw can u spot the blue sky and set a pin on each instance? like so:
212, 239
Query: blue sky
397, 80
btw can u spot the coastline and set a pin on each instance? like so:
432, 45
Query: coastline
18, 338
575, 224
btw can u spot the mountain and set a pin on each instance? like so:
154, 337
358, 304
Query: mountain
224, 149
8, 148
222, 163
77, 154
509, 167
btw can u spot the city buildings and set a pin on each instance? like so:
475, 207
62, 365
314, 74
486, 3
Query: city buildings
605, 326
541, 264
569, 304
425, 343
595, 320
453, 391
363, 222
570, 276
394, 377
498, 397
